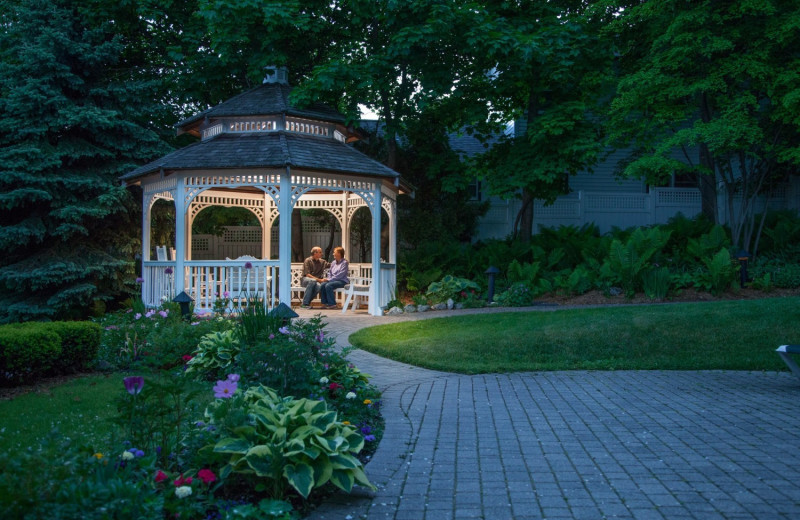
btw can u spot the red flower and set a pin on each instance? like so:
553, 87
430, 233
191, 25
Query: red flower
207, 476
187, 358
161, 476
334, 386
183, 481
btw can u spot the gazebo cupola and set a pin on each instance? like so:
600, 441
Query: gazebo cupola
257, 151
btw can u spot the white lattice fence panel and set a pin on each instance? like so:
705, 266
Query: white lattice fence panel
612, 202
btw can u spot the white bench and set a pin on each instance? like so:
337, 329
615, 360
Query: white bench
784, 351
358, 288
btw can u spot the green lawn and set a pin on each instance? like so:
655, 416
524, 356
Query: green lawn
80, 407
730, 335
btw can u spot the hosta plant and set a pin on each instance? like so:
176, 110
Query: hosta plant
284, 441
449, 287
215, 352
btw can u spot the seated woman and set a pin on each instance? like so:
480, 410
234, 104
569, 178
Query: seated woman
337, 278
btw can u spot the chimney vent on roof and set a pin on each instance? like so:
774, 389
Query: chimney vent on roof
275, 74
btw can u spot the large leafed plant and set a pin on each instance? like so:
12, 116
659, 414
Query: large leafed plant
285, 441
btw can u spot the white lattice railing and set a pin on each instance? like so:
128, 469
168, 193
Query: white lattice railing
207, 282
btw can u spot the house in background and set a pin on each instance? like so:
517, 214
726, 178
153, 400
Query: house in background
605, 200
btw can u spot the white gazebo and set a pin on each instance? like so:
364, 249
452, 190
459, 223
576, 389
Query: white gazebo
258, 152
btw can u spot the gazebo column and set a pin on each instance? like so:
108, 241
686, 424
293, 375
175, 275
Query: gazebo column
180, 236
345, 225
187, 254
392, 232
376, 287
147, 206
266, 228
285, 238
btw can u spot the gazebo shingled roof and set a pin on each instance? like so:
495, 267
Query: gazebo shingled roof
266, 99
267, 150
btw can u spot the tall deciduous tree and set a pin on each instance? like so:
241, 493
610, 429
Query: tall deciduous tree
550, 72
399, 58
717, 77
68, 131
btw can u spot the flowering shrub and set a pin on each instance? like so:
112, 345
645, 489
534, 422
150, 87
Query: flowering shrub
289, 359
157, 338
518, 295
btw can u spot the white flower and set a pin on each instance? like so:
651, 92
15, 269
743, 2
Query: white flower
323, 380
126, 455
350, 395
183, 491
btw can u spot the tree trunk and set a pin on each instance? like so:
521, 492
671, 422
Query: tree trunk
526, 216
708, 186
707, 182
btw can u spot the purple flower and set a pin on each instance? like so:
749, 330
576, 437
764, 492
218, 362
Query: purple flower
272, 336
168, 270
369, 438
133, 384
136, 452
137, 316
226, 294
248, 265
233, 378
284, 330
366, 430
163, 314
139, 279
320, 337
149, 314
225, 389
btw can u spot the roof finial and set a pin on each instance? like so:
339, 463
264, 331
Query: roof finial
275, 74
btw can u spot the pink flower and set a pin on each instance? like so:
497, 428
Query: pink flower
207, 476
182, 481
187, 358
163, 314
233, 378
161, 476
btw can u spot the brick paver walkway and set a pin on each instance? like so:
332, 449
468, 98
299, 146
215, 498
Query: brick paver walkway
559, 445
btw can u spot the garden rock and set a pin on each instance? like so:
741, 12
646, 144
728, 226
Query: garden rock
394, 311
410, 308
439, 307
450, 304
459, 306
423, 308
615, 291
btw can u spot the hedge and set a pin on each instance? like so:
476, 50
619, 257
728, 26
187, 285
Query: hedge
36, 349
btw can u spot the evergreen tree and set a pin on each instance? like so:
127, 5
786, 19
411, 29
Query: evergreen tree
70, 108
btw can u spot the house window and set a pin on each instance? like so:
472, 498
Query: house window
474, 190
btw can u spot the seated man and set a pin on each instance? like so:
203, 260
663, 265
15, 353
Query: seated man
313, 275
